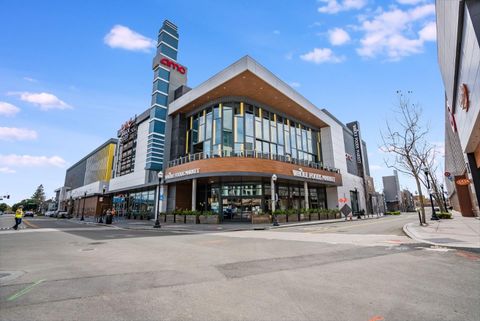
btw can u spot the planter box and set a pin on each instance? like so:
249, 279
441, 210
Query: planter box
179, 218
208, 219
323, 216
169, 218
304, 217
191, 219
293, 217
260, 219
314, 217
281, 218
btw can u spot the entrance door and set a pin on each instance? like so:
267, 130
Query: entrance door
354, 201
238, 209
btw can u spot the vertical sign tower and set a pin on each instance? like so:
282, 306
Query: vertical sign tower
165, 81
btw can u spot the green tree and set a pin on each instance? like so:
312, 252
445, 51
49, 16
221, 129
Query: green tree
4, 207
28, 205
39, 196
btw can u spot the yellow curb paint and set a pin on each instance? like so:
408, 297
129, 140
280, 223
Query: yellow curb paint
25, 290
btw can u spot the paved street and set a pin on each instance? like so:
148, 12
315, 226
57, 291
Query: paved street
361, 270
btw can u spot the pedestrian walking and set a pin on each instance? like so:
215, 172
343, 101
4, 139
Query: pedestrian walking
18, 217
114, 214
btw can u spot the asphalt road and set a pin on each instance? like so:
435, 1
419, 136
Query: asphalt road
360, 270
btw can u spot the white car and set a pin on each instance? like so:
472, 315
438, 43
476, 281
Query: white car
49, 213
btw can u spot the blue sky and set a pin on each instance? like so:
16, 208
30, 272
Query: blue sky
65, 87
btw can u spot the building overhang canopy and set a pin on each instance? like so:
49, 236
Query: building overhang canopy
247, 78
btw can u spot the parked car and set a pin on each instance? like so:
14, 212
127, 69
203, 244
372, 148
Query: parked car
28, 213
49, 213
63, 214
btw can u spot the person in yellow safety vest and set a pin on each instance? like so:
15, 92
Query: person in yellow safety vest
18, 217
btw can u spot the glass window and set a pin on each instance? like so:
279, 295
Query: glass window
158, 112
227, 118
239, 130
167, 51
161, 73
280, 133
249, 124
280, 150
157, 127
287, 141
165, 37
208, 128
258, 146
160, 85
160, 99
206, 147
266, 147
273, 133
273, 149
266, 126
258, 129
216, 112
304, 139
249, 141
218, 131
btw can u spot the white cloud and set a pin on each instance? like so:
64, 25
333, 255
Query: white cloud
46, 101
30, 79
390, 32
429, 32
31, 161
321, 55
125, 38
295, 84
410, 2
7, 109
338, 36
7, 170
335, 6
13, 133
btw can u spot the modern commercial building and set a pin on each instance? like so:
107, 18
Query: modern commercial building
239, 144
458, 34
86, 182
391, 190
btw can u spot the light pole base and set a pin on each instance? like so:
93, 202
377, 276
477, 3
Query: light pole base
157, 224
82, 219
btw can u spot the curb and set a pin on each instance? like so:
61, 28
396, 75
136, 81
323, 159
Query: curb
413, 237
319, 222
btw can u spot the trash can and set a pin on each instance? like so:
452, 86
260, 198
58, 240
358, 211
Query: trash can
108, 219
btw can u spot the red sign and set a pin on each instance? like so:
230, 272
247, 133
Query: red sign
447, 174
343, 200
172, 64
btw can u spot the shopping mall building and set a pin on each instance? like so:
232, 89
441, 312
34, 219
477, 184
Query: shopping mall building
237, 144
458, 39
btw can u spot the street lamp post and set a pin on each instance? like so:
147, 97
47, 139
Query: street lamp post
83, 209
273, 198
434, 214
159, 199
443, 197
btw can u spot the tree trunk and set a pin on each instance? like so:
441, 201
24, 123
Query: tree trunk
420, 196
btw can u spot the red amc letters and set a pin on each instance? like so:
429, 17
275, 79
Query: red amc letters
173, 65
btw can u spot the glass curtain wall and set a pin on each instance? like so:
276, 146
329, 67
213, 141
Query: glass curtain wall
238, 201
136, 204
234, 128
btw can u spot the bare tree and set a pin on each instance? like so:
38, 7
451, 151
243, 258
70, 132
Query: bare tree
406, 141
429, 162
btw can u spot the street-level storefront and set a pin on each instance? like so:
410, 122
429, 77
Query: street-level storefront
135, 204
237, 188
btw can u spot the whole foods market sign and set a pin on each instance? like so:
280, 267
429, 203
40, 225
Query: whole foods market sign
315, 176
192, 171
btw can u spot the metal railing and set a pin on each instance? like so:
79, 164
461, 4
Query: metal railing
250, 154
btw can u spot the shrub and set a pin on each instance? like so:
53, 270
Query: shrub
393, 213
444, 215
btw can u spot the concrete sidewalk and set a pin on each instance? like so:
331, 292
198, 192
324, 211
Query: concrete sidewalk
200, 228
459, 232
